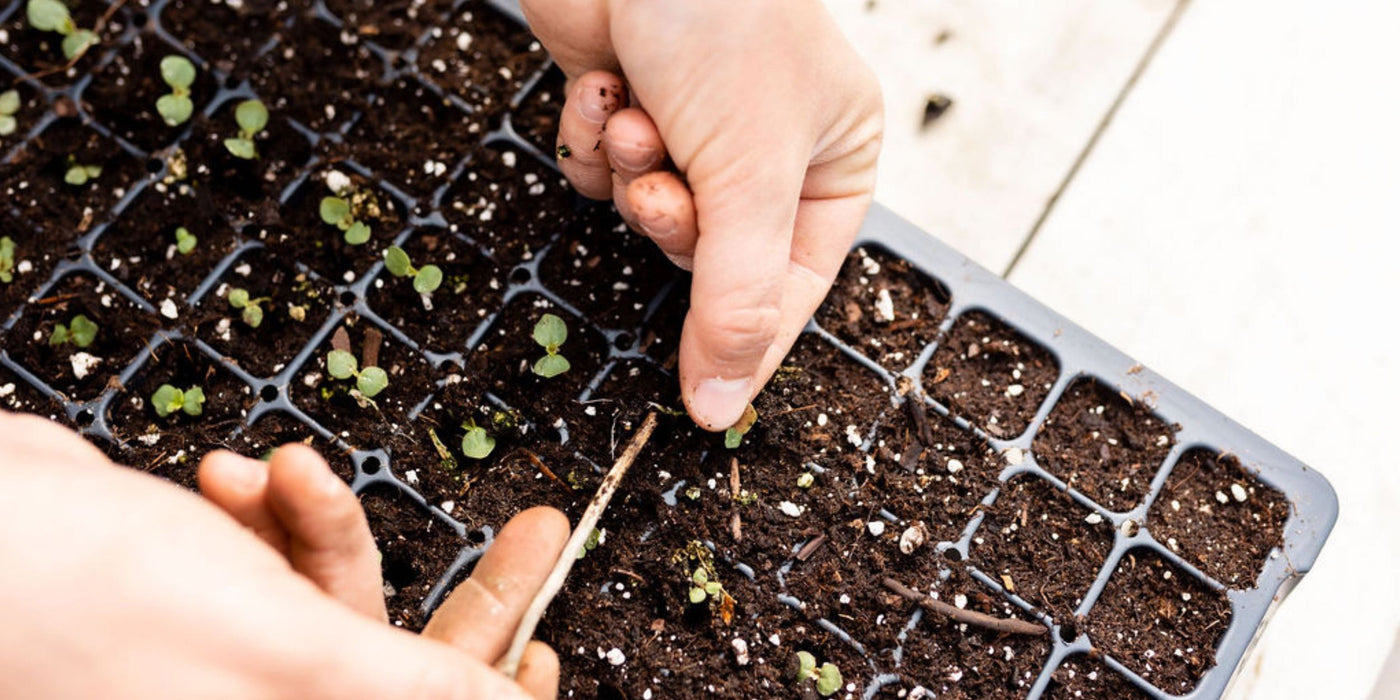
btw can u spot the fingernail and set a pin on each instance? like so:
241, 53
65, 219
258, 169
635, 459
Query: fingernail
718, 403
658, 227
596, 104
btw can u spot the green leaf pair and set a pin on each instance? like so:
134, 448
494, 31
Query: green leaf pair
252, 308
176, 107
336, 212
251, 116
79, 175
550, 333
168, 400
828, 677
9, 106
703, 588
80, 331
425, 280
53, 16
369, 381
476, 443
185, 241
7, 260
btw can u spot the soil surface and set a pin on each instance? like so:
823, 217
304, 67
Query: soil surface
472, 289
883, 307
991, 374
1084, 676
1103, 444
1219, 517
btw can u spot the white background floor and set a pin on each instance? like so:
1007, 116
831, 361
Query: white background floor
1234, 226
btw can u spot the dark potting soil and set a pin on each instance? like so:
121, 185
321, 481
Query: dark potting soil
42, 52
509, 203
226, 34
393, 24
1082, 676
315, 75
482, 57
19, 396
1219, 517
1159, 621
297, 304
416, 548
884, 308
536, 118
327, 252
599, 247
987, 372
411, 136
124, 90
1042, 546
1103, 444
241, 189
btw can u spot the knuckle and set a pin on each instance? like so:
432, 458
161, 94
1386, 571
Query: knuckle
738, 333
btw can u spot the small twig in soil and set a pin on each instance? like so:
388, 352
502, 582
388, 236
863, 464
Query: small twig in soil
918, 412
540, 465
374, 339
736, 526
811, 548
786, 411
1004, 625
510, 663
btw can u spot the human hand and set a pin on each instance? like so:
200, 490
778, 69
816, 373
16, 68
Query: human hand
775, 124
116, 585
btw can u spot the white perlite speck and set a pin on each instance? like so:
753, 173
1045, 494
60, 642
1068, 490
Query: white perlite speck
168, 310
1015, 390
876, 527
1220, 496
954, 466
791, 509
884, 306
853, 435
1239, 493
1014, 456
83, 364
616, 657
1093, 519
741, 651
960, 600
337, 181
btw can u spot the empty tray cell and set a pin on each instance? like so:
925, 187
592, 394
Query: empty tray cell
1041, 545
77, 371
394, 24
18, 396
596, 427
953, 659
170, 446
323, 247
340, 406
123, 93
481, 55
536, 118
1159, 621
509, 203
143, 247
1103, 444
415, 549
472, 289
291, 306
36, 51
38, 196
276, 429
508, 354
884, 308
1083, 677
989, 373
241, 187
1219, 517
608, 271
226, 34
939, 478
314, 76
411, 136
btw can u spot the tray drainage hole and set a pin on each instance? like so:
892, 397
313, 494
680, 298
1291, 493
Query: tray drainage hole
268, 393
1069, 632
85, 418
953, 554
624, 341
231, 81
347, 298
139, 20
371, 465
154, 165
521, 275
476, 538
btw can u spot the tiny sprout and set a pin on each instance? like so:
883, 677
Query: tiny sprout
704, 584
702, 588
252, 308
550, 333
79, 175
176, 107
369, 381
168, 400
590, 544
734, 436
828, 677
806, 480
52, 16
185, 241
476, 443
251, 116
80, 331
425, 280
7, 260
9, 105
336, 212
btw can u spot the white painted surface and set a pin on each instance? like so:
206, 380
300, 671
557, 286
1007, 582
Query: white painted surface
1236, 229
1029, 82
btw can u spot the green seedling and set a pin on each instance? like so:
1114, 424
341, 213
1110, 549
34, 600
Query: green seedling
734, 436
425, 280
168, 400
53, 16
806, 480
185, 241
703, 580
590, 544
7, 260
252, 308
827, 677
475, 442
550, 333
445, 458
251, 116
79, 175
176, 107
80, 331
336, 212
369, 381
9, 106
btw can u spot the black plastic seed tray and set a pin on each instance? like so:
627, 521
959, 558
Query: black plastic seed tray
1312, 504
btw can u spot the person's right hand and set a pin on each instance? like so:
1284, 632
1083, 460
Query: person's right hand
117, 585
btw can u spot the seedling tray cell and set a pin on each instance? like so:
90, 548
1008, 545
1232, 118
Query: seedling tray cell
933, 424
